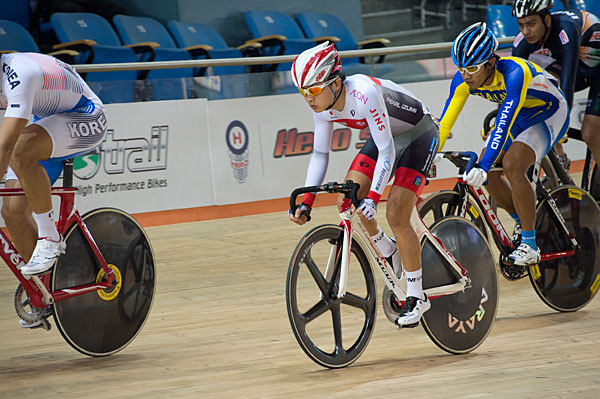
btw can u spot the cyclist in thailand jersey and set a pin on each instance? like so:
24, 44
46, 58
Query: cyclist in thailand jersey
532, 118
567, 44
68, 119
404, 140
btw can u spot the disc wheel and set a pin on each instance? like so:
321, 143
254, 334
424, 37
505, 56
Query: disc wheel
568, 283
105, 321
332, 331
460, 322
446, 203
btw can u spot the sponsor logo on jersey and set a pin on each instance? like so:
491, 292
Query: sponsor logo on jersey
595, 37
378, 119
11, 76
564, 39
518, 39
543, 51
418, 180
85, 129
15, 105
360, 96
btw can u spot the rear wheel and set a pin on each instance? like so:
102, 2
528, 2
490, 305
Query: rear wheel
446, 203
568, 283
460, 322
103, 322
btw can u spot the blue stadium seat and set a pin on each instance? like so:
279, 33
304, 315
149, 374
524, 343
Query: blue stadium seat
14, 37
500, 20
153, 42
278, 33
321, 26
15, 10
96, 41
592, 6
203, 41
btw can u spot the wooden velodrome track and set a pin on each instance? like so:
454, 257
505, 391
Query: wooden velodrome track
219, 329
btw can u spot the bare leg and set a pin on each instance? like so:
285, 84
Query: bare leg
16, 213
518, 159
589, 133
33, 145
399, 208
500, 190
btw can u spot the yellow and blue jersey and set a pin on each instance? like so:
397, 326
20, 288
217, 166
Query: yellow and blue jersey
526, 93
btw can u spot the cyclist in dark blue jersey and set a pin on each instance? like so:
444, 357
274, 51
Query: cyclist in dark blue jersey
567, 44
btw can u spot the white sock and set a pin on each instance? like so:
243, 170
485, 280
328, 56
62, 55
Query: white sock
46, 226
414, 284
384, 243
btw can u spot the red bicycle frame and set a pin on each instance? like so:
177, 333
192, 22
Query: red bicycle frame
38, 286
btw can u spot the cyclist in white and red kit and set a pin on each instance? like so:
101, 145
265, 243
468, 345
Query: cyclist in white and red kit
404, 140
68, 120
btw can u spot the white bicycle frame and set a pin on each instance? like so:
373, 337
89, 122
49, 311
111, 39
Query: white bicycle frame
397, 285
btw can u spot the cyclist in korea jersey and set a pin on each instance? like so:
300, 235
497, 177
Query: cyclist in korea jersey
567, 44
404, 140
68, 120
532, 118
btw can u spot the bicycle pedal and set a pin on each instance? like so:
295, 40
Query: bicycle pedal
413, 325
45, 325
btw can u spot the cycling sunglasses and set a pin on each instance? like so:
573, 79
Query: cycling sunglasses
315, 90
471, 69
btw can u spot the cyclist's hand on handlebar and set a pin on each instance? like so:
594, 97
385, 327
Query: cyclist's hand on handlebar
302, 214
368, 208
476, 177
438, 157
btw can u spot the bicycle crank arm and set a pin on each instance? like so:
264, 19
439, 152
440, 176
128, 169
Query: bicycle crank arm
47, 297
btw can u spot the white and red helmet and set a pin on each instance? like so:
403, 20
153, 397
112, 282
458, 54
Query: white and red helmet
315, 65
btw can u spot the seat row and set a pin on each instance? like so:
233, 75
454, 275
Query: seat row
90, 39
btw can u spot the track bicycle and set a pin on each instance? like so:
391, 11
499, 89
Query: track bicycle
100, 290
567, 233
331, 291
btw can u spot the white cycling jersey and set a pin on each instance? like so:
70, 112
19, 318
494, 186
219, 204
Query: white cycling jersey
58, 98
381, 105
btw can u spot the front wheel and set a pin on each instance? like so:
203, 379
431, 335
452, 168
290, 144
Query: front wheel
103, 322
568, 283
333, 332
460, 322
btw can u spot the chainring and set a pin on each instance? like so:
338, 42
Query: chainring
25, 310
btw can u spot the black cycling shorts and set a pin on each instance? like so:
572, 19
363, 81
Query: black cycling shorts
412, 163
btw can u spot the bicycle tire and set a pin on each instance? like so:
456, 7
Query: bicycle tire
445, 203
569, 283
595, 184
459, 323
104, 322
309, 296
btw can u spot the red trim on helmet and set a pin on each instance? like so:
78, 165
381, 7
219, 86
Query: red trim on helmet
316, 58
